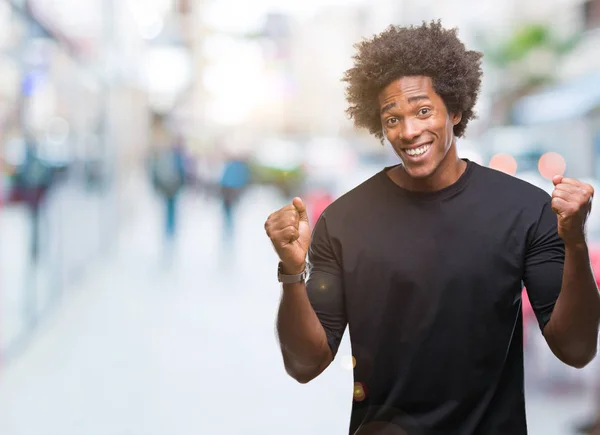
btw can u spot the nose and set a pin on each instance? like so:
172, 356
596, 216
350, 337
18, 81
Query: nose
411, 130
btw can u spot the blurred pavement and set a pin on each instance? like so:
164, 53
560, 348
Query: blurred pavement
143, 348
72, 225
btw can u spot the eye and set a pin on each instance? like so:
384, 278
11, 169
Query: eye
392, 121
424, 111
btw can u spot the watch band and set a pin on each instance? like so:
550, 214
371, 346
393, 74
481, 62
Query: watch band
290, 279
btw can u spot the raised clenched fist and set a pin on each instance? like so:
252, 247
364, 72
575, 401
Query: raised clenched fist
572, 203
289, 232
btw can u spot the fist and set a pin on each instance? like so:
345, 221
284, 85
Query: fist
572, 203
289, 232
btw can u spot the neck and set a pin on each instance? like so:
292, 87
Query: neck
447, 173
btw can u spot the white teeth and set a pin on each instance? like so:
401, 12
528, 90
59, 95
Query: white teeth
417, 151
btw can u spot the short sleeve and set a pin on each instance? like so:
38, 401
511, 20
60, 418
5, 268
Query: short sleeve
544, 264
325, 285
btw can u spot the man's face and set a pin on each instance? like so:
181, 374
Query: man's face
417, 124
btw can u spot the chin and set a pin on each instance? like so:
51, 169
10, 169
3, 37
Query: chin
419, 172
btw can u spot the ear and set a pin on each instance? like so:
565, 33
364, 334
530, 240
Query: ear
384, 139
456, 118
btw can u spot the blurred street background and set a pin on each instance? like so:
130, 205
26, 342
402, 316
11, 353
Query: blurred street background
143, 143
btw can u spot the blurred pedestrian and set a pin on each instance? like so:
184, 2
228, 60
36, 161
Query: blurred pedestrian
168, 177
32, 181
234, 180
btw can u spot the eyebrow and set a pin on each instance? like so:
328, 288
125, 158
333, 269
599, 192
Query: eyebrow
387, 107
410, 100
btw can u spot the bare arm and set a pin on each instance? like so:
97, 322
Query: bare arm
311, 319
306, 352
572, 331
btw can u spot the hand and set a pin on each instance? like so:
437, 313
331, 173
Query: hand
289, 232
572, 203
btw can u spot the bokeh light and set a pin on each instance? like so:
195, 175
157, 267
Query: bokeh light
504, 162
551, 164
359, 392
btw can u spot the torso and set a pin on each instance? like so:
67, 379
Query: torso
432, 285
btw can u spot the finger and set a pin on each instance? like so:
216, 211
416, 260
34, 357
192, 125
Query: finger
276, 215
587, 190
285, 236
585, 187
291, 218
571, 181
582, 191
288, 208
562, 194
570, 188
301, 208
285, 214
559, 205
291, 234
557, 179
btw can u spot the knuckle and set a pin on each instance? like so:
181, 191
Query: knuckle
589, 190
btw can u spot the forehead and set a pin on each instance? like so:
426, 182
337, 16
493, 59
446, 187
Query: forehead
400, 90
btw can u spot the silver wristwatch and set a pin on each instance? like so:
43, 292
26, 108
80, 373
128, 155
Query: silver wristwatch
290, 279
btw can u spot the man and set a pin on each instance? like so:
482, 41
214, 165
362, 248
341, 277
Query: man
234, 180
33, 180
425, 261
167, 166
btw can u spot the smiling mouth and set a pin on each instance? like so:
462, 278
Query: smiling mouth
415, 152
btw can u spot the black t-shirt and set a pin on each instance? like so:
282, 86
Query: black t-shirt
430, 286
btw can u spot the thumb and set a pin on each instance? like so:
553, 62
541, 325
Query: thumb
556, 180
301, 208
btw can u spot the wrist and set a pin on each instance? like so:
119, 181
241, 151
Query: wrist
292, 269
573, 245
577, 242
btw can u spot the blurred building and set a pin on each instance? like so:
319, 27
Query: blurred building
562, 114
79, 81
321, 51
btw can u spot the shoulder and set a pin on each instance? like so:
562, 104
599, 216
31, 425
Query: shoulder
355, 199
499, 185
341, 219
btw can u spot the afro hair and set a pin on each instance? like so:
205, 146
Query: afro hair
428, 50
